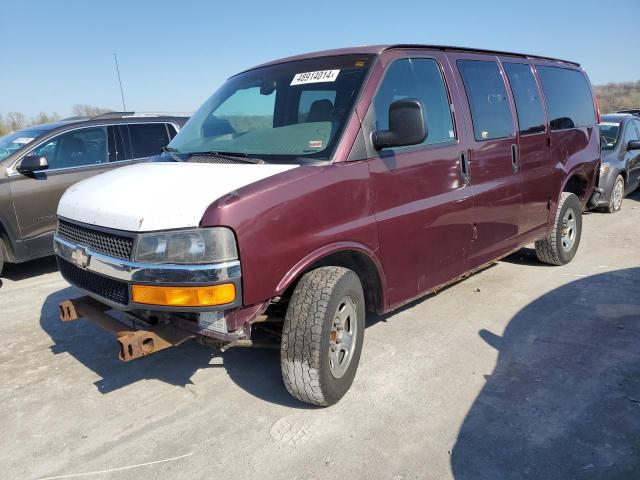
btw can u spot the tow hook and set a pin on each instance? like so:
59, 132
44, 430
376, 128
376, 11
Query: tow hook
133, 343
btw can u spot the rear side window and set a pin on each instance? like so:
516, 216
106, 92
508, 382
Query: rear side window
172, 131
418, 78
488, 100
147, 139
527, 98
568, 97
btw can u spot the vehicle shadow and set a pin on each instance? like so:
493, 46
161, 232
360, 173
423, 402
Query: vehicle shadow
564, 398
255, 370
32, 268
635, 197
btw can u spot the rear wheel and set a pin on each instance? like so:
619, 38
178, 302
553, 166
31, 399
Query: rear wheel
561, 245
322, 335
617, 194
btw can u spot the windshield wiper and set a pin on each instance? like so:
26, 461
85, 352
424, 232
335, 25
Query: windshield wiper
233, 156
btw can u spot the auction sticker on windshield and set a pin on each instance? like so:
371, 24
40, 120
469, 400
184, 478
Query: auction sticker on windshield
24, 140
315, 77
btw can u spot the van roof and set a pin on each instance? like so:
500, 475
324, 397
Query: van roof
378, 49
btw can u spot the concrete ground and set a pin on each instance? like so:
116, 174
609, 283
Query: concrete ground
521, 371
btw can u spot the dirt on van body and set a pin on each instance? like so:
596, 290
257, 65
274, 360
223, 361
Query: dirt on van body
521, 371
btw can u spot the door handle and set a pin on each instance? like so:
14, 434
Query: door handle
464, 168
514, 157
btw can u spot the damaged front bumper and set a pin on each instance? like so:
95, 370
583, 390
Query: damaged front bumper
137, 339
108, 281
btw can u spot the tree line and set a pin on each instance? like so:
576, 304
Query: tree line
13, 121
618, 96
611, 97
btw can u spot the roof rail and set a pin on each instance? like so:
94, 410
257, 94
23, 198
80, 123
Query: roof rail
77, 117
107, 115
103, 116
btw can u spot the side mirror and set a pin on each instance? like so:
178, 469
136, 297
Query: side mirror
406, 125
32, 163
633, 145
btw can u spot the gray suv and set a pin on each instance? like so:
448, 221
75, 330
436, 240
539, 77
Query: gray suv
37, 164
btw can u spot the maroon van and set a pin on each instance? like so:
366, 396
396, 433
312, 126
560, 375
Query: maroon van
310, 190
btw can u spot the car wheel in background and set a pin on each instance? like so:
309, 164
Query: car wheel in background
617, 194
322, 335
561, 245
2, 257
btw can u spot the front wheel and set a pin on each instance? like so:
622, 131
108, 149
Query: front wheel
561, 245
322, 335
617, 194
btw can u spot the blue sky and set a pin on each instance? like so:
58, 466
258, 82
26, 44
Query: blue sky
174, 54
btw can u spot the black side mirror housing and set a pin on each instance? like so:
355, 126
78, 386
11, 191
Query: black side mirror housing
633, 145
406, 125
32, 163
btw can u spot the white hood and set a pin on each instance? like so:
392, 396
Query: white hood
157, 196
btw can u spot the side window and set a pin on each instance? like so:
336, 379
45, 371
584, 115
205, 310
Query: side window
147, 139
630, 133
78, 148
418, 78
172, 131
316, 105
568, 97
119, 143
488, 100
527, 98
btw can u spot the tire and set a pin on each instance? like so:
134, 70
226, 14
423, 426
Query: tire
2, 257
323, 299
561, 245
617, 194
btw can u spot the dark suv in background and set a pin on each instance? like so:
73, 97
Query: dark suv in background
38, 163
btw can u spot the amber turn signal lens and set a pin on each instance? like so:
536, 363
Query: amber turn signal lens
205, 296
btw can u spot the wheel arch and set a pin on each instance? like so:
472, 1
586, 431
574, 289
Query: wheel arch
353, 256
578, 184
8, 242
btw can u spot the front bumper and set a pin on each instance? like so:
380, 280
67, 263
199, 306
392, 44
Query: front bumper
109, 279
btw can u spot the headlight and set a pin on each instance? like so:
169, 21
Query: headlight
201, 245
604, 168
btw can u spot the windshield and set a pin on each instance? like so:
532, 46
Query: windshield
16, 140
609, 134
279, 112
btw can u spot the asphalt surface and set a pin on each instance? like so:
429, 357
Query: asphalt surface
521, 371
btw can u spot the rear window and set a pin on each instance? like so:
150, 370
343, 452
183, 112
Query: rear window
147, 139
488, 100
568, 97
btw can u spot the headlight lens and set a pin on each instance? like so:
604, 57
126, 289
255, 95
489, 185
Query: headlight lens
197, 246
604, 168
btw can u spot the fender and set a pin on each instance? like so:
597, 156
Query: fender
327, 250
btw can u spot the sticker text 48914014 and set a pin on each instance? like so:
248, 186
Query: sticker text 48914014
315, 77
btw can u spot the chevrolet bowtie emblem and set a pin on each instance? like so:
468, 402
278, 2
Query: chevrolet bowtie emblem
80, 257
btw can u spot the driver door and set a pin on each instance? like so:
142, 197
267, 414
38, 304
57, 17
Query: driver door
72, 156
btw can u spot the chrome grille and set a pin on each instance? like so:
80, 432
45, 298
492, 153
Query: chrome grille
101, 242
